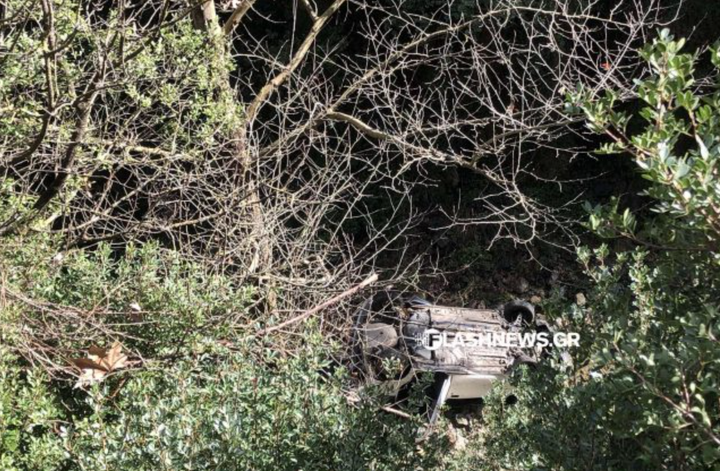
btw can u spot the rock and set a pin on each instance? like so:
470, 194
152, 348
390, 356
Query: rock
580, 299
535, 299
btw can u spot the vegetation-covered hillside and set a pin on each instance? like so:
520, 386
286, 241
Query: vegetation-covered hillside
197, 195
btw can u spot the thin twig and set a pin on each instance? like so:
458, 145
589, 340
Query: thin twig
368, 281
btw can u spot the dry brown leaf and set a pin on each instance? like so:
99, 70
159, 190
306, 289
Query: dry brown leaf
99, 363
88, 364
114, 359
96, 351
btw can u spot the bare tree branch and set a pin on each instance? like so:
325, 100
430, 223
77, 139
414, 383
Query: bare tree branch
297, 59
237, 16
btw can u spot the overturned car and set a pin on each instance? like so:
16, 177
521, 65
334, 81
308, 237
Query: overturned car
467, 349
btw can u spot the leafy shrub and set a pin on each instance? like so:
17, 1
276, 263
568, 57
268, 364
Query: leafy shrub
203, 394
222, 410
232, 411
29, 417
643, 392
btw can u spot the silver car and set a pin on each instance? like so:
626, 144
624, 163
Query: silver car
463, 347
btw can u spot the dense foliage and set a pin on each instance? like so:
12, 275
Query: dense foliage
643, 391
192, 399
219, 411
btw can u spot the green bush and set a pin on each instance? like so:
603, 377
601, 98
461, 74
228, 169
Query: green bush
235, 411
29, 419
200, 393
643, 391
220, 411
